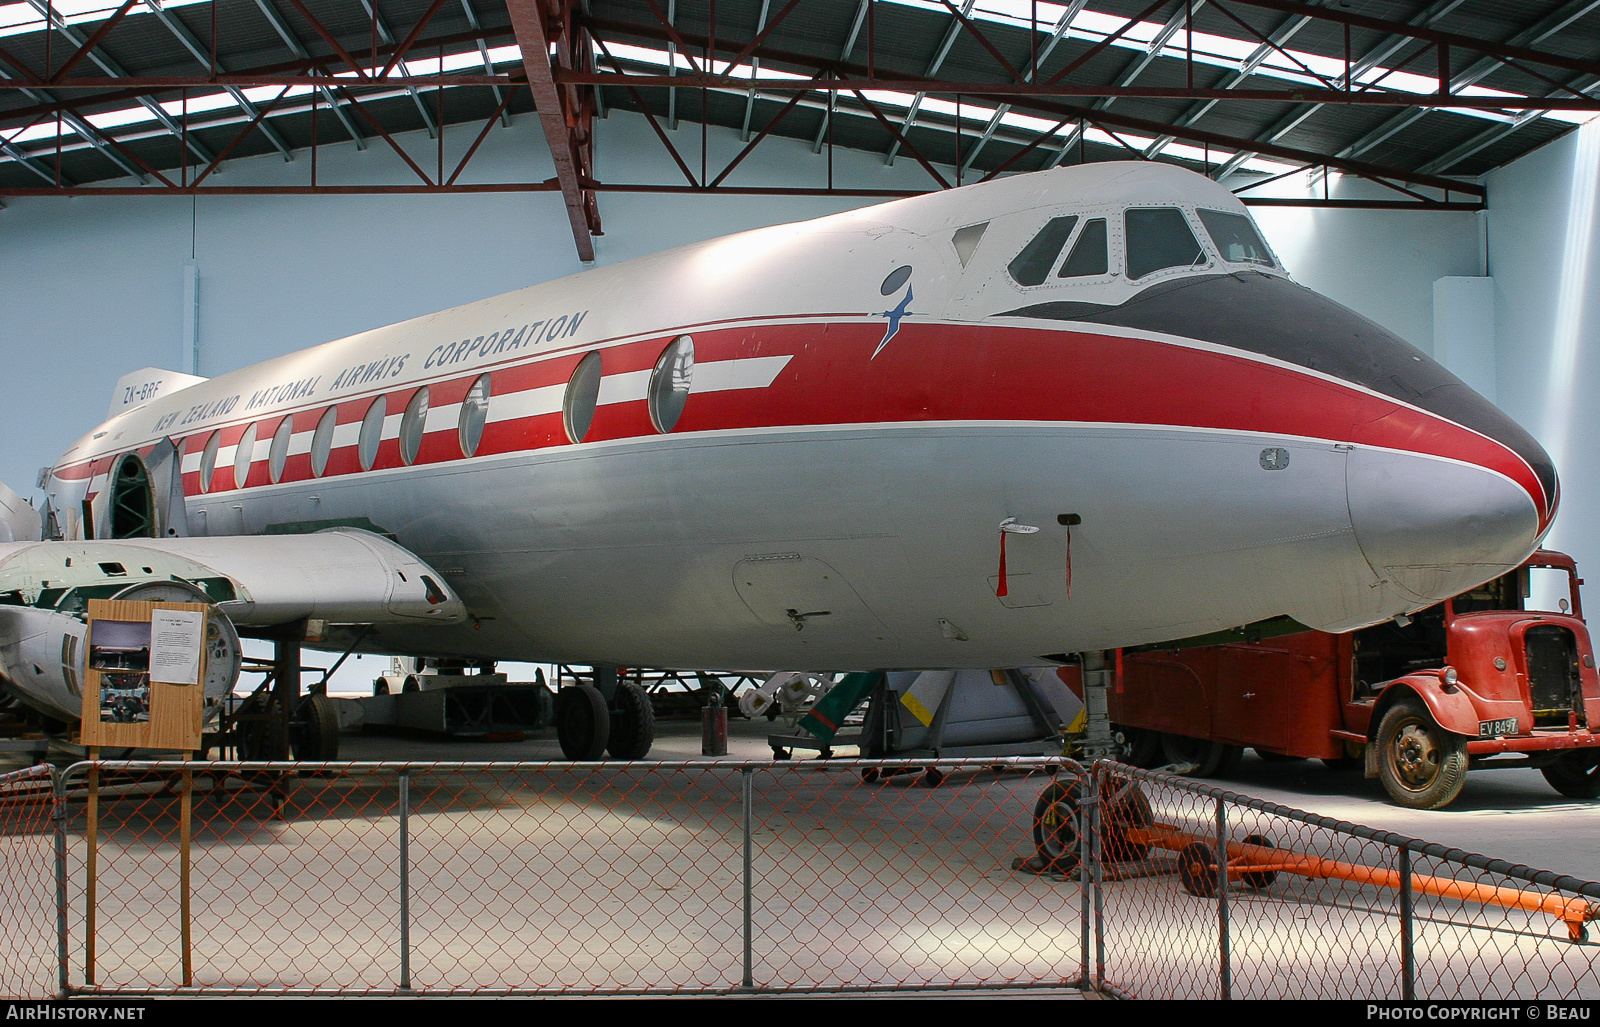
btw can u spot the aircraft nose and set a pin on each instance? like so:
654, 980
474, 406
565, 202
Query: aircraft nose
1434, 528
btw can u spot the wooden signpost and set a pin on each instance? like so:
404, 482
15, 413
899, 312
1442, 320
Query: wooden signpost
143, 690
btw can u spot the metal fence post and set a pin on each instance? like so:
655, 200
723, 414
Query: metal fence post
1096, 851
746, 797
1224, 967
1085, 803
1408, 967
58, 813
405, 880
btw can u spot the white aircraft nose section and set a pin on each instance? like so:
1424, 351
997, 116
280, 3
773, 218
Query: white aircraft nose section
1434, 528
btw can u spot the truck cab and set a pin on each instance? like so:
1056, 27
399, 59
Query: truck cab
1487, 679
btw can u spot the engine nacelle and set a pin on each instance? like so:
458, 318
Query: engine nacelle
342, 576
43, 651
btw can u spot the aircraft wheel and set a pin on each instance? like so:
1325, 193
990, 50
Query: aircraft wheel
380, 685
633, 723
583, 726
1197, 870
1422, 766
869, 776
1058, 825
314, 732
411, 684
933, 777
1576, 774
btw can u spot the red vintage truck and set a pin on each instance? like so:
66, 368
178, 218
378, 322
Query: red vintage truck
1477, 682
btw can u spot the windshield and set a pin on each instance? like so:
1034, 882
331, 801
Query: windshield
1235, 238
1159, 238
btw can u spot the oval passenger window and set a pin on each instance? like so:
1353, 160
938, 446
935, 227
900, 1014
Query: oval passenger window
208, 461
278, 455
322, 441
474, 415
371, 433
583, 392
669, 383
243, 456
413, 425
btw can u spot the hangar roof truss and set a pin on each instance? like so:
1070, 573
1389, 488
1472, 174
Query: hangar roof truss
1421, 96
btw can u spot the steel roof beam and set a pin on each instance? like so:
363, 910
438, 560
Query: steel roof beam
199, 53
909, 83
1275, 41
1063, 25
387, 38
844, 55
275, 19
1054, 109
1130, 73
1480, 69
933, 67
1418, 30
529, 21
1374, 57
310, 71
88, 132
488, 65
54, 20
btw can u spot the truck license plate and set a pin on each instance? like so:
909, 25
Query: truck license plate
1494, 728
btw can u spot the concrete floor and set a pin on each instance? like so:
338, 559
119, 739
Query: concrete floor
1508, 814
630, 879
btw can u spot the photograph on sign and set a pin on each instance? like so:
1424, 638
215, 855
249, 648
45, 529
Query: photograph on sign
121, 653
176, 638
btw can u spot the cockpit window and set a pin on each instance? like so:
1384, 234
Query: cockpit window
966, 241
1033, 264
1235, 237
1158, 238
1088, 256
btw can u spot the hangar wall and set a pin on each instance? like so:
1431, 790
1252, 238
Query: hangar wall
1542, 255
94, 287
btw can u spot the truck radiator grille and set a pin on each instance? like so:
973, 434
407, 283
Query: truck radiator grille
1552, 671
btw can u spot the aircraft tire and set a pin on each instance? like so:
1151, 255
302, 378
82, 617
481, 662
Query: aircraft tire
1576, 774
633, 723
1422, 765
1057, 821
583, 726
314, 733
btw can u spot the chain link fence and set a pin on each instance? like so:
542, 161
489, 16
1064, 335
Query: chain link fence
579, 878
29, 903
1305, 906
711, 877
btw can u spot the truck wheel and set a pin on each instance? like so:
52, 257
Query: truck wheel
582, 724
1268, 756
1209, 758
633, 723
1056, 826
1576, 774
1140, 748
1422, 766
